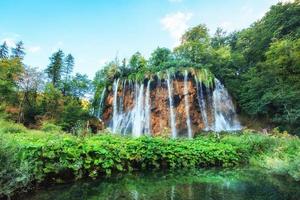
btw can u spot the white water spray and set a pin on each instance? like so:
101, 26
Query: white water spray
225, 118
148, 110
115, 105
172, 114
138, 117
201, 102
187, 105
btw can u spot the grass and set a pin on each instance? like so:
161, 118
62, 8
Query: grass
30, 157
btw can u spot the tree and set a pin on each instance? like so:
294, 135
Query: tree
137, 61
52, 102
196, 34
80, 85
67, 74
282, 21
18, 51
68, 67
55, 68
72, 115
29, 83
4, 51
195, 46
10, 71
160, 56
219, 38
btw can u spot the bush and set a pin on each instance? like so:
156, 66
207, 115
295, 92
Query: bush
8, 127
50, 127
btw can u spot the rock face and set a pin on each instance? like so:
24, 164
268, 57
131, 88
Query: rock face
145, 108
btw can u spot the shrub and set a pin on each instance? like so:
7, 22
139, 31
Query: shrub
8, 127
50, 127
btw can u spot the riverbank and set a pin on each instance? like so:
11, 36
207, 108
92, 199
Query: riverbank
31, 157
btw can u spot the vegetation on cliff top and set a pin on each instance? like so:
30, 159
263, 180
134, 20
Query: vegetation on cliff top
31, 157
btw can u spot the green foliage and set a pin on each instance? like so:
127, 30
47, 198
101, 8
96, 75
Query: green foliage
52, 101
137, 61
18, 52
160, 57
55, 68
72, 115
4, 51
260, 66
10, 71
8, 127
55, 156
51, 127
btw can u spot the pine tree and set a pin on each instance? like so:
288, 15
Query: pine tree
55, 68
18, 51
3, 51
68, 68
67, 74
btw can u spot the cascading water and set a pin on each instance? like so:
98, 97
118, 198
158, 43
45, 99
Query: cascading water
187, 106
201, 102
225, 118
172, 114
138, 116
148, 110
136, 120
115, 106
138, 108
101, 103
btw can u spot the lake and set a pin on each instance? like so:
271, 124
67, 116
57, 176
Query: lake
202, 184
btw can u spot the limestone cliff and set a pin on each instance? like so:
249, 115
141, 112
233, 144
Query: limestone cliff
144, 108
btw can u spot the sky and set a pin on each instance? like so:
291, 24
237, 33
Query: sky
96, 31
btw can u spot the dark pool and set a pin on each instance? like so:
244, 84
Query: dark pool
225, 184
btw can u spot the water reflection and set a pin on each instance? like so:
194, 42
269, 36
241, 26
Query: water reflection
231, 184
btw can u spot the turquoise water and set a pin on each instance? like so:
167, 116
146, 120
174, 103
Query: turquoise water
225, 184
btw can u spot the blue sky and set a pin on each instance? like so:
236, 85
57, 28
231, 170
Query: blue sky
96, 31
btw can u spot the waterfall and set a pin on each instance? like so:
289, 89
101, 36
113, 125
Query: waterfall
187, 106
138, 117
225, 118
209, 102
172, 114
101, 103
136, 120
216, 107
201, 102
148, 110
115, 105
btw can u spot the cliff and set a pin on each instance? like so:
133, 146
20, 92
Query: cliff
180, 104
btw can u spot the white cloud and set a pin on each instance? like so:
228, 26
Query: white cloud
34, 49
176, 24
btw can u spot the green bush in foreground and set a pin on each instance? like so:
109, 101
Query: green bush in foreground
31, 157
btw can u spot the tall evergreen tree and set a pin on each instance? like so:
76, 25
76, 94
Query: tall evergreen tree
67, 74
68, 68
18, 51
55, 68
3, 51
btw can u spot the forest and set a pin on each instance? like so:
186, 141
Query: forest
50, 115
